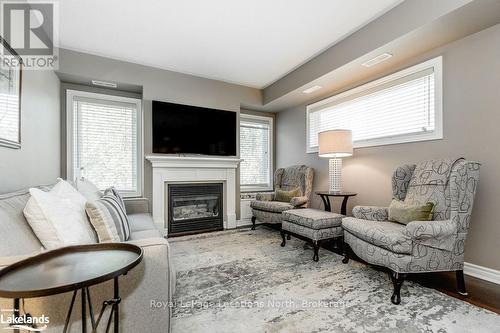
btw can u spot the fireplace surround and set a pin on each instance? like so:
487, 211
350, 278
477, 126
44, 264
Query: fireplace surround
172, 169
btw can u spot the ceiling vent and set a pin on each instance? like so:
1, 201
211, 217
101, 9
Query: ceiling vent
378, 59
104, 84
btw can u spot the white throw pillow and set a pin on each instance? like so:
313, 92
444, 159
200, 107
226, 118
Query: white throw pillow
88, 189
58, 217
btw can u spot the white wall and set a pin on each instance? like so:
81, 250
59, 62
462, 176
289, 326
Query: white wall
38, 160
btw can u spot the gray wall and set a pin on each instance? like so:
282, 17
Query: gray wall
471, 102
37, 162
157, 84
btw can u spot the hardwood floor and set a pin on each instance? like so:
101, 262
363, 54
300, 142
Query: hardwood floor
480, 292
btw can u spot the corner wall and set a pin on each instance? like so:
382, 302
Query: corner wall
471, 112
38, 160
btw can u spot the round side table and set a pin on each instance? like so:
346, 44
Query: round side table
72, 269
325, 196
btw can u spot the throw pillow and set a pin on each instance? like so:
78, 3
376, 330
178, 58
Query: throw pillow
113, 191
405, 213
286, 196
108, 218
58, 217
88, 189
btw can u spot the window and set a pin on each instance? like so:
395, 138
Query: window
256, 135
105, 140
403, 107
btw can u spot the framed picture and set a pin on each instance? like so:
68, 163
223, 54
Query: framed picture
10, 97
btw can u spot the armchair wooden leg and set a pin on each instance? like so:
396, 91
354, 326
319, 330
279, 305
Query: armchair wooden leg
253, 222
397, 281
461, 283
316, 249
283, 237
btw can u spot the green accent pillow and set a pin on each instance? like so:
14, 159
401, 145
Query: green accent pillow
405, 213
286, 196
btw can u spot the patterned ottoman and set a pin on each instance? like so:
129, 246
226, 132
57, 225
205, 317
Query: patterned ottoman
314, 224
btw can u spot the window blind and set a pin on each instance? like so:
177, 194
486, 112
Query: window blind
105, 143
255, 141
9, 117
392, 110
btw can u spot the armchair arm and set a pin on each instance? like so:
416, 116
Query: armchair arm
299, 201
371, 213
436, 234
265, 196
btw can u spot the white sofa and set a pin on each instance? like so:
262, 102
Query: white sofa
152, 280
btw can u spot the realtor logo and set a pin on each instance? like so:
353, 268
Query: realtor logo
30, 29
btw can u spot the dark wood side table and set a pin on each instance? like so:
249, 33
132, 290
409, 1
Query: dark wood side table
325, 196
72, 269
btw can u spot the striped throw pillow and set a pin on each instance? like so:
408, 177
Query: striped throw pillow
109, 219
112, 190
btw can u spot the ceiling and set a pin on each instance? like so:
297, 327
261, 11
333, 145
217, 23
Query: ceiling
253, 43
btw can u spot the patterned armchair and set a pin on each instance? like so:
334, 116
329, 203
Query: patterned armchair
265, 209
419, 246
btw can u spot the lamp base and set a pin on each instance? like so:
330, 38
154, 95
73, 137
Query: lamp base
335, 175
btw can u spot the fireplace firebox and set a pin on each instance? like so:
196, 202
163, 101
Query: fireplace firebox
194, 208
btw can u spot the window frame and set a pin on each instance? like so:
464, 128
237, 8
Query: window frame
70, 95
383, 83
270, 121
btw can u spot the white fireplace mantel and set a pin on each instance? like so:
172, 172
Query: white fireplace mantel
185, 169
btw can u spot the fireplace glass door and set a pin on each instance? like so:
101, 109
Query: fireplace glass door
194, 208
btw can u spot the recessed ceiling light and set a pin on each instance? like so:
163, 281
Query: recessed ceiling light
104, 84
312, 89
378, 59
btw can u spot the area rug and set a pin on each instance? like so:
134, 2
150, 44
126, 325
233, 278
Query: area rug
243, 281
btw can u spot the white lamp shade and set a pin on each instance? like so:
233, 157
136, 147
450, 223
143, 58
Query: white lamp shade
335, 143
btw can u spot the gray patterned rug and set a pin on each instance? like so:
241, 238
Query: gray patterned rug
243, 281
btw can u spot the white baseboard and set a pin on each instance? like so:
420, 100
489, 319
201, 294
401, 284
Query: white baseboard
481, 272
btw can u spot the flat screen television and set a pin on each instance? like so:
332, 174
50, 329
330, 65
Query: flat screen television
185, 129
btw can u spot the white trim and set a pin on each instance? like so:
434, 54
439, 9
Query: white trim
169, 169
436, 64
70, 94
270, 186
481, 272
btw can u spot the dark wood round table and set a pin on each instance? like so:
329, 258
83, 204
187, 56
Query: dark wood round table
72, 268
325, 196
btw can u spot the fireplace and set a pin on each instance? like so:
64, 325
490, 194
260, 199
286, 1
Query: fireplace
194, 208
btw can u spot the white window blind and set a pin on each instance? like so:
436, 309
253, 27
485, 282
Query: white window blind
403, 107
106, 142
256, 152
9, 117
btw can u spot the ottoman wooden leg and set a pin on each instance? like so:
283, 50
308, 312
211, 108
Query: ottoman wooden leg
283, 237
316, 249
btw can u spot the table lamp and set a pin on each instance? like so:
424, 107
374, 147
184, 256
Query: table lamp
335, 144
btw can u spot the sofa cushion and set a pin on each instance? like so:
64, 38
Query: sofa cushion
140, 222
17, 237
271, 206
313, 218
385, 234
143, 234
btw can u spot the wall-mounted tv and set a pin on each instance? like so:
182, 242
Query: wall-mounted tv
185, 129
